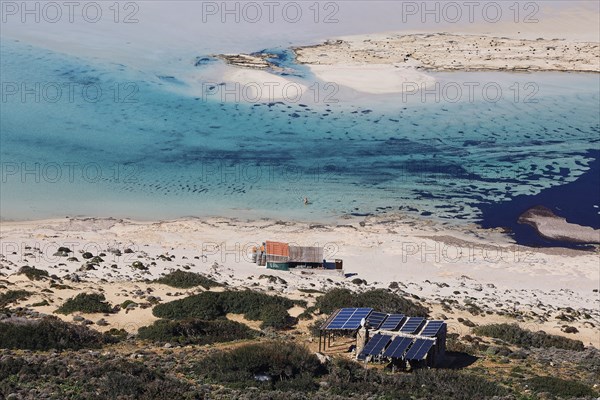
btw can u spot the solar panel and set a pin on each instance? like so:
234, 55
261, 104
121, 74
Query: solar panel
419, 350
380, 345
392, 322
412, 325
375, 346
348, 318
432, 328
376, 319
398, 347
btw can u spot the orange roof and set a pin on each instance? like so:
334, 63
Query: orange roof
278, 249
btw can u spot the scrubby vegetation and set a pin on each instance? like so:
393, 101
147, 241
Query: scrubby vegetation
560, 387
13, 296
143, 366
277, 370
512, 333
186, 280
76, 377
256, 306
85, 303
33, 273
378, 299
46, 333
287, 366
349, 378
280, 365
195, 331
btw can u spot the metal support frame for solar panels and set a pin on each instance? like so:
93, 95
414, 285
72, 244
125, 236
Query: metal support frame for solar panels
364, 312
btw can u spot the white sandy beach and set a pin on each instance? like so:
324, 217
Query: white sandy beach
373, 78
427, 260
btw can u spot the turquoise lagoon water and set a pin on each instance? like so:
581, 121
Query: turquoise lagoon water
157, 152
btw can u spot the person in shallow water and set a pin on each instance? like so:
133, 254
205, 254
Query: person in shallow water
306, 202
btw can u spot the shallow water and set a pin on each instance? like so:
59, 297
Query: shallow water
146, 149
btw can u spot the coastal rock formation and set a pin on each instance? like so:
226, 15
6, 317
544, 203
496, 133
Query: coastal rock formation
450, 52
553, 227
397, 63
260, 61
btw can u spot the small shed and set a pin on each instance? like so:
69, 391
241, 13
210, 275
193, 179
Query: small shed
282, 256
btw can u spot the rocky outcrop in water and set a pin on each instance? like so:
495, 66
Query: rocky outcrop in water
554, 227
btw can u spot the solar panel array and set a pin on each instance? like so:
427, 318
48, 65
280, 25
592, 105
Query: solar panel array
376, 345
392, 322
348, 318
391, 346
419, 349
398, 347
375, 319
432, 328
412, 325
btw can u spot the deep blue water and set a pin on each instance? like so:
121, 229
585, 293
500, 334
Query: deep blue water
149, 151
578, 202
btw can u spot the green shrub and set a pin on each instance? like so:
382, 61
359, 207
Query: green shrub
212, 305
560, 387
46, 333
315, 327
139, 265
33, 273
126, 303
276, 316
13, 296
379, 299
195, 331
81, 378
114, 335
308, 313
60, 286
185, 280
513, 334
283, 362
85, 303
350, 378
